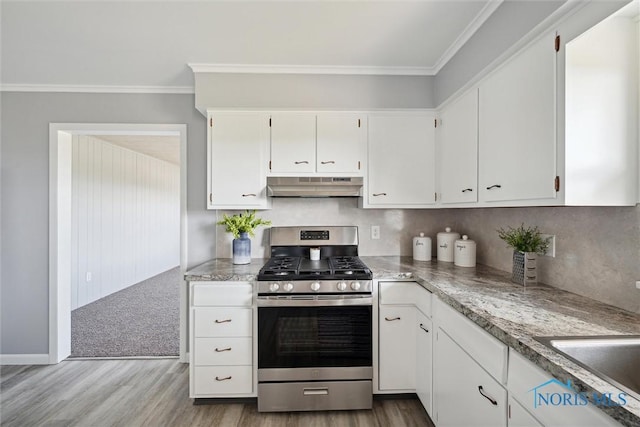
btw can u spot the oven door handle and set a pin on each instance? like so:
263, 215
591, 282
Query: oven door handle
282, 302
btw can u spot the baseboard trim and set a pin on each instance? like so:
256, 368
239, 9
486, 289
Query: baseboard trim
24, 359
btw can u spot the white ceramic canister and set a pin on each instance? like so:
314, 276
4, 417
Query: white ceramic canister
446, 240
422, 248
465, 252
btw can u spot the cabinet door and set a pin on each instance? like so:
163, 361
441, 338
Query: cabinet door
457, 147
424, 358
401, 160
340, 143
293, 143
238, 158
464, 393
519, 417
517, 128
397, 354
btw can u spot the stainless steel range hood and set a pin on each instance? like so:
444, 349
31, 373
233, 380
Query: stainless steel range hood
314, 186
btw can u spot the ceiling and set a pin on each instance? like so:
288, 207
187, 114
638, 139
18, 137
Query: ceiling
149, 43
165, 148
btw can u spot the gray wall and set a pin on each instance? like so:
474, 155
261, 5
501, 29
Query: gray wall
25, 194
313, 91
597, 248
508, 24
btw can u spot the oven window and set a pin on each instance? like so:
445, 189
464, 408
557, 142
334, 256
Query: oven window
303, 337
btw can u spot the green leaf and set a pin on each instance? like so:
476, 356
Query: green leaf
524, 239
245, 222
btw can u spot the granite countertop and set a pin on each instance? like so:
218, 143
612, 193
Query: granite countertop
511, 313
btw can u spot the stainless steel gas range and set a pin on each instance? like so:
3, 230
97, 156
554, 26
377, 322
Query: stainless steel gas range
314, 322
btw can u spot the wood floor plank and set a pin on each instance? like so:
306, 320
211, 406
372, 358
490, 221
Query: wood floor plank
155, 393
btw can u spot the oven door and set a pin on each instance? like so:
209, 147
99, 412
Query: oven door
314, 340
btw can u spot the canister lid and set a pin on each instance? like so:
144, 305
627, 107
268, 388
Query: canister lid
465, 239
448, 233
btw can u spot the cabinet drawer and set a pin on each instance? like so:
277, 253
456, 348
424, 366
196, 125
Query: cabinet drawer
524, 376
490, 353
223, 351
222, 322
214, 380
406, 293
222, 294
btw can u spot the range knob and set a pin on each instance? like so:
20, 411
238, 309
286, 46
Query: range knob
288, 287
355, 286
315, 286
274, 287
342, 286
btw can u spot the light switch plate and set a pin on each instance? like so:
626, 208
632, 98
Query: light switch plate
551, 250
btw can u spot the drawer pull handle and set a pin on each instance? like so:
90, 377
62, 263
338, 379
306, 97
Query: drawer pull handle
493, 401
328, 162
491, 187
315, 391
223, 321
223, 379
391, 319
467, 189
300, 162
423, 328
220, 350
379, 194
249, 195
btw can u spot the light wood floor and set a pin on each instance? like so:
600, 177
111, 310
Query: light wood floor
155, 393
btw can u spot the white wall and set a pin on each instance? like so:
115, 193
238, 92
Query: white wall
125, 216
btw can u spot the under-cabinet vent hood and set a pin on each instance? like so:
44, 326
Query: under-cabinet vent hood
314, 186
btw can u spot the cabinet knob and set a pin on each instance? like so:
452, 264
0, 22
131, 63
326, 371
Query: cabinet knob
328, 162
249, 195
391, 319
301, 162
379, 194
468, 189
491, 187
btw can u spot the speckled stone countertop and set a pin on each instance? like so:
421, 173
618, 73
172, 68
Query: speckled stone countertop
511, 313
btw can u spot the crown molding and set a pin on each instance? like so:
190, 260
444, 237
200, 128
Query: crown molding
96, 89
467, 33
310, 69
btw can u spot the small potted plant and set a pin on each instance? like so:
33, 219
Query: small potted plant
527, 243
242, 226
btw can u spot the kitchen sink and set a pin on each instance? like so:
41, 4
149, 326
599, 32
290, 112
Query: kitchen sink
615, 358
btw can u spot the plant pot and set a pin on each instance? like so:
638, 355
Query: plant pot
524, 268
242, 249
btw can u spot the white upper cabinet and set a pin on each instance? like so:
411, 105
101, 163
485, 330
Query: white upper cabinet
341, 143
457, 150
293, 143
317, 143
517, 127
237, 160
401, 160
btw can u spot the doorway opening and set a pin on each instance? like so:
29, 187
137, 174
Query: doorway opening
106, 227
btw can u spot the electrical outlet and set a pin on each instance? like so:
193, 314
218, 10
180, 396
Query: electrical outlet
88, 277
375, 232
551, 250
638, 284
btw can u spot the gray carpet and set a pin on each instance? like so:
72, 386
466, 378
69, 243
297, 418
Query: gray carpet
141, 320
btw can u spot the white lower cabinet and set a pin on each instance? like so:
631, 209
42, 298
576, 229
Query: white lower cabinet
221, 339
424, 358
397, 352
527, 381
519, 417
464, 393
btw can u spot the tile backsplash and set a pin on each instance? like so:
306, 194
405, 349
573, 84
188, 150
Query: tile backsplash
597, 248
